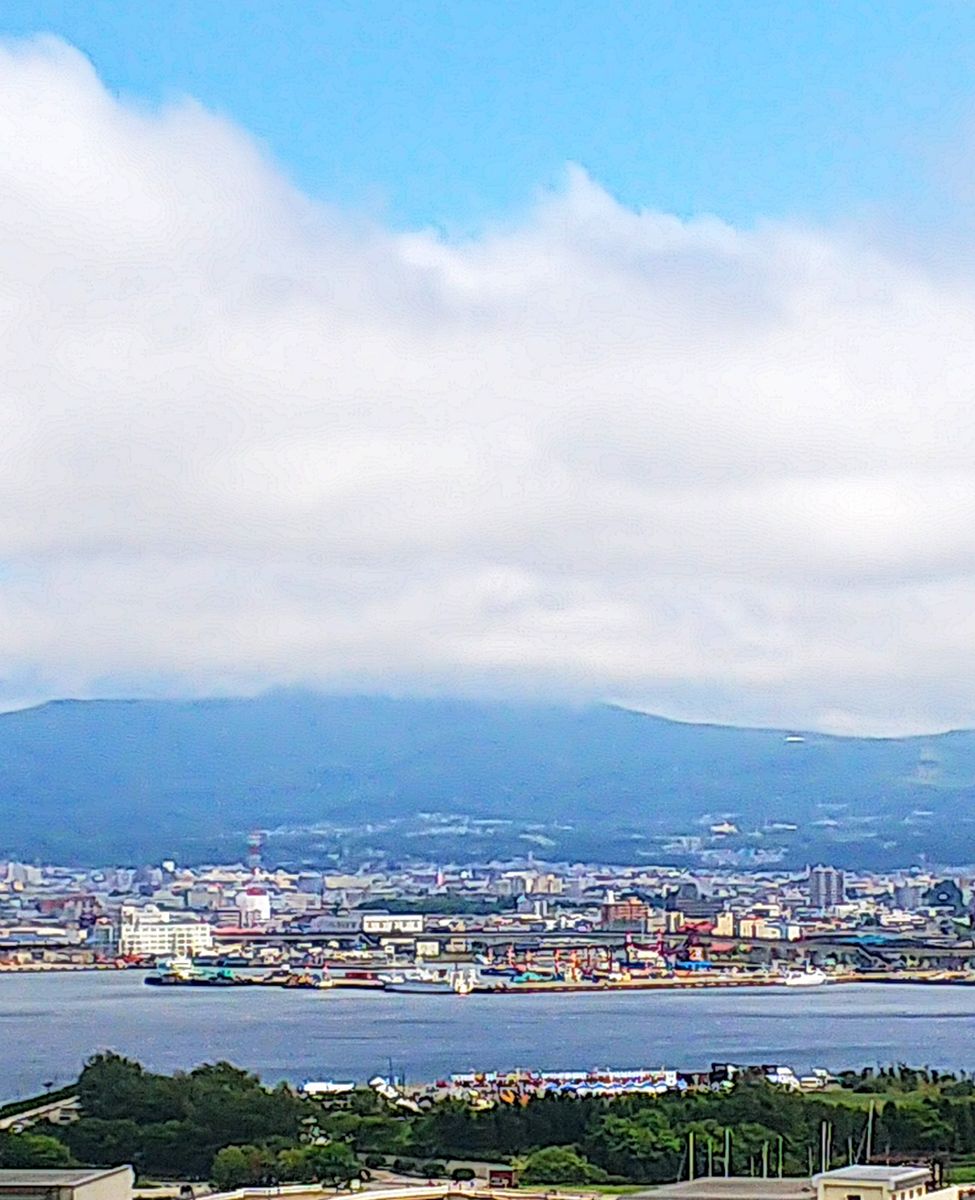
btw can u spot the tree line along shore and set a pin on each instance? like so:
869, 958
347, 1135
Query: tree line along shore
220, 1124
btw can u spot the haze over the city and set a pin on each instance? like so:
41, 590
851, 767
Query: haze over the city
388, 353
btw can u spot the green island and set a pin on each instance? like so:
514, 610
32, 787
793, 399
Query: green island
221, 1124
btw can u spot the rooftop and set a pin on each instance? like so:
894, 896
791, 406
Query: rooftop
56, 1179
741, 1187
891, 1175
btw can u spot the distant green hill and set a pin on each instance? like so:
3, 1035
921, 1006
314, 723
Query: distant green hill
126, 781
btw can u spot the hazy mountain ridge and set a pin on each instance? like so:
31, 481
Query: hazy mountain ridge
126, 780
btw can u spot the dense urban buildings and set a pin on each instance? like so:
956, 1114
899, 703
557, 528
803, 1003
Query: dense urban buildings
611, 918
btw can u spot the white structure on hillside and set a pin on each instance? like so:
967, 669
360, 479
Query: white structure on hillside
152, 933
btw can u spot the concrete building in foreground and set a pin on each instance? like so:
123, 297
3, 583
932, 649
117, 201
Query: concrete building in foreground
845, 1183
86, 1183
874, 1183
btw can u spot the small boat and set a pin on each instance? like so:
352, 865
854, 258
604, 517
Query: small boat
459, 984
809, 977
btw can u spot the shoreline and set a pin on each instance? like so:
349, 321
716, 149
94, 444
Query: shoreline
690, 982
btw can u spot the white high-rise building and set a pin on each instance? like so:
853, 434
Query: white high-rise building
150, 932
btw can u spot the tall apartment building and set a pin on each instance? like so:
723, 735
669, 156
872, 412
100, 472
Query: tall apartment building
827, 888
150, 932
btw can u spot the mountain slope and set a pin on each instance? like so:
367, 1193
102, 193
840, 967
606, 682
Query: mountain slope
96, 781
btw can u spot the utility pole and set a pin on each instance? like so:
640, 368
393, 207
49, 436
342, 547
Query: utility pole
690, 1155
727, 1153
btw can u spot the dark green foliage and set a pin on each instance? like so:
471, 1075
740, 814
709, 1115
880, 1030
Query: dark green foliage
236, 1166
218, 1122
645, 1139
112, 1088
334, 1163
560, 1164
103, 1143
172, 1126
32, 1151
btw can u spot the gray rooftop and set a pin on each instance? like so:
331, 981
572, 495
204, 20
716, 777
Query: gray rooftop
736, 1187
870, 1174
56, 1179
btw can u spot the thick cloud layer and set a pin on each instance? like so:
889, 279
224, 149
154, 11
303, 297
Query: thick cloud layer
249, 441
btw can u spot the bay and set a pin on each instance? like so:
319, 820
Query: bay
49, 1025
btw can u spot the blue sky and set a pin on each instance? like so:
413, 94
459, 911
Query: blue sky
451, 113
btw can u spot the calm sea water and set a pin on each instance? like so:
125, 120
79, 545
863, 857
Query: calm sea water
49, 1024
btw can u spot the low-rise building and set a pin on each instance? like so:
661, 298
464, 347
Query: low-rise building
88, 1183
873, 1183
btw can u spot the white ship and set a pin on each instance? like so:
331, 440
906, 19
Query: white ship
809, 977
460, 983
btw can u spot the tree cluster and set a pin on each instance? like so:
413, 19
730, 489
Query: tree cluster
192, 1125
220, 1123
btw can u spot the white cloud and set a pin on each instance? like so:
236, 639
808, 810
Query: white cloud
247, 440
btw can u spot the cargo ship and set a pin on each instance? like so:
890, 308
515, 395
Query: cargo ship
183, 972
